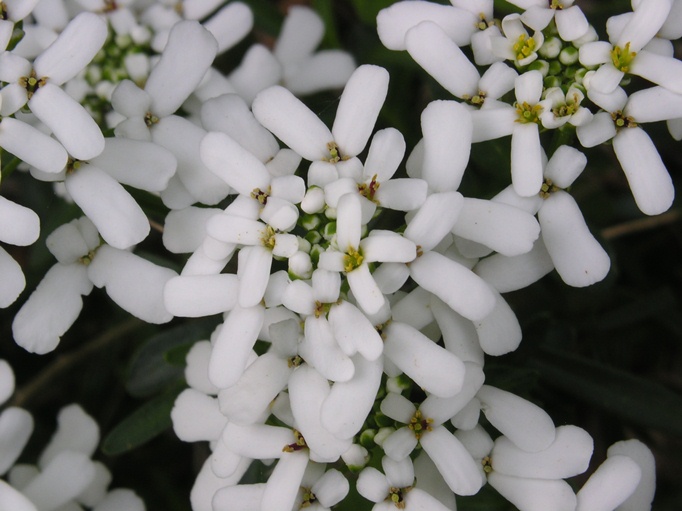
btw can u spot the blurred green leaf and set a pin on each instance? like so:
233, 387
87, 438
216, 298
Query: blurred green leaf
634, 399
367, 11
145, 423
325, 8
152, 368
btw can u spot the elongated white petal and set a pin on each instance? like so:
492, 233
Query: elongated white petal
654, 104
394, 22
399, 444
229, 25
402, 194
257, 441
75, 47
399, 473
66, 476
527, 425
534, 494
388, 247
68, 120
32, 146
16, 426
200, 295
440, 57
641, 454
441, 409
134, 283
345, 410
506, 229
365, 289
605, 79
351, 327
359, 107
571, 23
196, 417
434, 219
331, 488
14, 499
348, 222
372, 485
321, 350
308, 391
184, 62
117, 216
253, 273
240, 497
567, 456
577, 256
526, 159
232, 345
143, 165
595, 53
565, 165
51, 309
461, 289
600, 129
499, 332
459, 334
447, 129
284, 483
185, 229
398, 407
492, 123
455, 464
19, 225
610, 485
292, 122
433, 368
235, 165
644, 23
301, 32
385, 154
244, 402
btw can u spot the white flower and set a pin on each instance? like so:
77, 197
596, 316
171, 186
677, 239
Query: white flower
516, 45
559, 108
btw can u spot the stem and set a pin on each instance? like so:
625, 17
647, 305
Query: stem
640, 224
66, 362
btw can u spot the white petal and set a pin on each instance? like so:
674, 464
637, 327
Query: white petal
131, 101
331, 488
505, 229
492, 123
196, 417
571, 23
69, 121
257, 441
284, 482
230, 24
253, 272
665, 71
143, 165
459, 334
301, 32
499, 332
440, 57
527, 425
394, 22
32, 146
385, 154
610, 485
51, 309
365, 290
567, 456
457, 286
534, 494
454, 462
200, 295
526, 159
359, 107
565, 165
398, 407
433, 368
372, 485
402, 194
67, 475
447, 128
351, 327
293, 123
606, 78
434, 219
19, 225
577, 256
528, 87
117, 216
232, 345
244, 402
308, 390
134, 283
642, 455
600, 129
537, 17
349, 403
644, 23
184, 230
321, 350
441, 409
13, 499
595, 53
400, 444
75, 47
16, 426
185, 59
388, 247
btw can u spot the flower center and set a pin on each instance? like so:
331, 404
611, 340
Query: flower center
548, 188
309, 498
556, 4
476, 99
397, 496
352, 260
260, 195
268, 238
334, 155
527, 113
3, 11
487, 463
32, 83
298, 445
419, 425
73, 165
524, 47
622, 57
621, 121
369, 189
150, 119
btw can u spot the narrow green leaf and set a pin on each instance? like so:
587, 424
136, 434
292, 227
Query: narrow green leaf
145, 423
152, 368
636, 400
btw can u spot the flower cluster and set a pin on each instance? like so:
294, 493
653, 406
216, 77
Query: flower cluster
347, 342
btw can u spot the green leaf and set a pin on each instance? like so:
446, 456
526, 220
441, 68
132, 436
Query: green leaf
636, 400
154, 365
367, 11
145, 423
